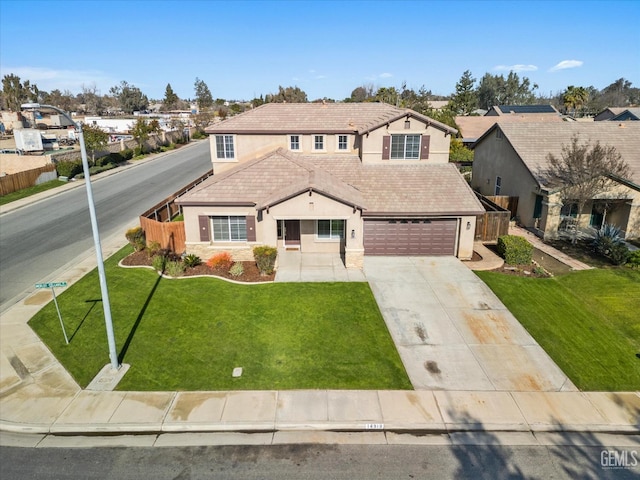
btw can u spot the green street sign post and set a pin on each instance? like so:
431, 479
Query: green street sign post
52, 286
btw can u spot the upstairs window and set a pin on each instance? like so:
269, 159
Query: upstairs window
405, 147
498, 186
318, 142
294, 142
224, 146
343, 142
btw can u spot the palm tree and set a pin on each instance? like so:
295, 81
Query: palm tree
575, 97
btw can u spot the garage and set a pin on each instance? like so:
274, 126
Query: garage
410, 236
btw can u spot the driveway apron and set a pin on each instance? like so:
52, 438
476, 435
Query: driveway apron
452, 332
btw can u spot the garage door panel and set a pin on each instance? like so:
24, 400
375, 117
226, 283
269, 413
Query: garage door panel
410, 237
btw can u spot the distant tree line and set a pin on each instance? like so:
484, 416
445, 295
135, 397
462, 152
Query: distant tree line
468, 96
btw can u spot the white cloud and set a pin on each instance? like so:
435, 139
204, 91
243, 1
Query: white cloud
385, 75
564, 64
50, 79
516, 68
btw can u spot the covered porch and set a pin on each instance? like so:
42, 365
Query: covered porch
298, 266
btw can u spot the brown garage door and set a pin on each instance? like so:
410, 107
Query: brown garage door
410, 237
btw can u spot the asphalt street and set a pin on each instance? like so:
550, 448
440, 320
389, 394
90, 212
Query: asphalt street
41, 238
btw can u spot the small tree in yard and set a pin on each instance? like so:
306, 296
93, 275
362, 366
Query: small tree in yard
95, 139
584, 172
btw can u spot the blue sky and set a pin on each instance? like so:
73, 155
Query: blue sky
242, 49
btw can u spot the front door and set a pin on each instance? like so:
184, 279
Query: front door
292, 233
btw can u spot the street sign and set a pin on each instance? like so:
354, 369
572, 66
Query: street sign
51, 284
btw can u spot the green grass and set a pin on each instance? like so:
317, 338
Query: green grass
189, 334
587, 321
27, 192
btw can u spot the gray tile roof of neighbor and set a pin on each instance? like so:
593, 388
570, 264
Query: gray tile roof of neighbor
535, 141
317, 118
436, 189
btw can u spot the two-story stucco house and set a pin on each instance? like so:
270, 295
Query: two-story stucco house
355, 178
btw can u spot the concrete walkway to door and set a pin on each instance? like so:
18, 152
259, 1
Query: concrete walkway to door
295, 266
453, 333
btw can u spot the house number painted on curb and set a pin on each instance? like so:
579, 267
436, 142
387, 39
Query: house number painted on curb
374, 426
52, 286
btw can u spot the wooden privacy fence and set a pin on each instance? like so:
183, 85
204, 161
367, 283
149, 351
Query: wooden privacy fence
169, 235
157, 225
28, 178
494, 223
510, 203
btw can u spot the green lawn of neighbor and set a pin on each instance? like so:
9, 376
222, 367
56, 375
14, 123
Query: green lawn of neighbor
587, 321
190, 334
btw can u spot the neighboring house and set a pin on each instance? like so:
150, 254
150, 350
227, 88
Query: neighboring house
628, 114
608, 113
473, 127
501, 110
359, 179
510, 160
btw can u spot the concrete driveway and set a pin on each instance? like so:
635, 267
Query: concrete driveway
452, 332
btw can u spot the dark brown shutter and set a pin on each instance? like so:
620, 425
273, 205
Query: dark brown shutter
251, 228
386, 147
424, 148
205, 234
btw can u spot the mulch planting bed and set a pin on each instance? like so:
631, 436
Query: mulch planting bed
251, 272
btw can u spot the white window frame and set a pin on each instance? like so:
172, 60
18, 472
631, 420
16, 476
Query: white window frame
339, 144
498, 187
338, 235
228, 147
298, 142
231, 221
395, 155
324, 143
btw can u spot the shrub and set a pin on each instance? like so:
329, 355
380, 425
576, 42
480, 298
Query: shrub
515, 250
127, 154
69, 169
222, 261
265, 257
175, 268
236, 269
619, 254
153, 248
606, 238
633, 260
135, 236
192, 260
159, 263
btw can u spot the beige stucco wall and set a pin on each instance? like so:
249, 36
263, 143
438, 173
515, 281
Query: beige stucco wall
466, 237
495, 157
438, 143
303, 207
249, 147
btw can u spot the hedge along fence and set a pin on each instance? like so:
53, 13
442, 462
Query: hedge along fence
26, 179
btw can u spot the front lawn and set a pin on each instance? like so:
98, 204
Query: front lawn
190, 334
27, 192
587, 321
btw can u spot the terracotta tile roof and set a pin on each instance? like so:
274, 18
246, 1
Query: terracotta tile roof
436, 189
316, 118
534, 141
269, 180
472, 127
